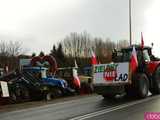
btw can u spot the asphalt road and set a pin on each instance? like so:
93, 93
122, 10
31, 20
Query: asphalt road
90, 107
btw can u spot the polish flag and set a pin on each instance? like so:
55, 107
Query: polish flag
93, 59
133, 62
142, 42
76, 78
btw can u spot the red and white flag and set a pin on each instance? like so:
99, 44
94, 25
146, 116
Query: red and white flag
93, 58
142, 41
134, 61
76, 78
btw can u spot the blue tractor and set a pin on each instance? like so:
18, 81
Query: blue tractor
33, 83
52, 87
35, 80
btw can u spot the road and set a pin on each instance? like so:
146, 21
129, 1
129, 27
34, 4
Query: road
86, 108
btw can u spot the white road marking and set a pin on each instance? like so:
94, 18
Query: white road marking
108, 110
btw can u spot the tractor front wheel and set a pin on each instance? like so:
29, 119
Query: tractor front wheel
141, 85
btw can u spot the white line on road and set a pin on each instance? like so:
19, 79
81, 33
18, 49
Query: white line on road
108, 110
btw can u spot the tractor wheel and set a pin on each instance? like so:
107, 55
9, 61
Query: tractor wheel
49, 96
155, 88
52, 94
141, 85
13, 97
25, 94
20, 94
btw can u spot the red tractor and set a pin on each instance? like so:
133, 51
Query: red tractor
117, 78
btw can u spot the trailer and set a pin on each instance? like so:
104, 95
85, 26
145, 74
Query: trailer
67, 73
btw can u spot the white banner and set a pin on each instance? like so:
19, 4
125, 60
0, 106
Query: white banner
111, 73
4, 87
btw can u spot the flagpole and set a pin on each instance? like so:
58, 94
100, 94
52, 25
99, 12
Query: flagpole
130, 23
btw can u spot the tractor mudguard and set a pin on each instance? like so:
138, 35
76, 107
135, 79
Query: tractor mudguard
152, 66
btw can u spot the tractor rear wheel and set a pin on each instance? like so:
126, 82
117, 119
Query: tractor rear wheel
155, 88
52, 94
20, 94
141, 85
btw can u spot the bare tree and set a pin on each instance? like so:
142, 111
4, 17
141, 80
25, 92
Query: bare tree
14, 48
3, 49
122, 44
77, 45
10, 48
9, 52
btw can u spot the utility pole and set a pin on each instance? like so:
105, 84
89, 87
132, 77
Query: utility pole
130, 23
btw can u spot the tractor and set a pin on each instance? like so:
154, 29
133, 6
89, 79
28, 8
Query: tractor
32, 83
116, 77
56, 86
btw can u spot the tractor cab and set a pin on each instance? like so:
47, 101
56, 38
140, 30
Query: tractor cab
124, 54
147, 62
142, 54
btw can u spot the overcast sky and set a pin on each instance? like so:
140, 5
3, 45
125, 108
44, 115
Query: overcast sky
38, 24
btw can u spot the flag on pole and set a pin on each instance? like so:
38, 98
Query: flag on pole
76, 78
142, 41
93, 58
134, 61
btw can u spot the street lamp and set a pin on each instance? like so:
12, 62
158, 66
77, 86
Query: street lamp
130, 23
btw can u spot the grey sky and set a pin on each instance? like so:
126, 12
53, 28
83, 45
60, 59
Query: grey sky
40, 23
